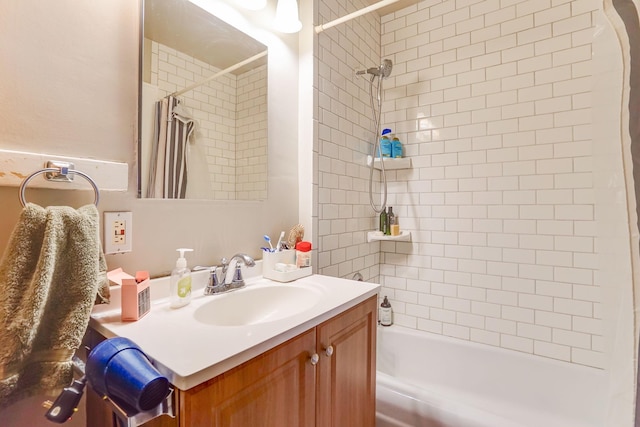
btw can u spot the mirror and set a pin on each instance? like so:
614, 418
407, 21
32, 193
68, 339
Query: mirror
202, 107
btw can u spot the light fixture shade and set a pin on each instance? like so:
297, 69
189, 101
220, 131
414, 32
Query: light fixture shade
287, 19
253, 4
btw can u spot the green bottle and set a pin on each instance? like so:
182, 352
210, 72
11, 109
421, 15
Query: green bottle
383, 221
391, 219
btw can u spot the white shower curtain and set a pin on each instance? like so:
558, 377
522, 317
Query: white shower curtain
617, 175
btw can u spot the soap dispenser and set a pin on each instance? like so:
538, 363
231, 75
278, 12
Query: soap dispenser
386, 318
180, 285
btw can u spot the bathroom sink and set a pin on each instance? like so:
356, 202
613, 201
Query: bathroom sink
254, 305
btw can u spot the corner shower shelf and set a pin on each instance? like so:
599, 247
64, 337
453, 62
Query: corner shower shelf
404, 236
391, 164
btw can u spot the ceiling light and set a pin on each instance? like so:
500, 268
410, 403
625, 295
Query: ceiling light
287, 20
253, 4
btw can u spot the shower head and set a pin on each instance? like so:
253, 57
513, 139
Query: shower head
385, 68
383, 71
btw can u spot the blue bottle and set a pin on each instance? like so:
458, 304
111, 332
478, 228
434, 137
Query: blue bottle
384, 150
396, 148
385, 146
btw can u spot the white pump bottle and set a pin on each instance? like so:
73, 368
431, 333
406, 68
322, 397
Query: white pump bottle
180, 285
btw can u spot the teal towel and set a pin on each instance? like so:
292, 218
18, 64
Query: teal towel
51, 274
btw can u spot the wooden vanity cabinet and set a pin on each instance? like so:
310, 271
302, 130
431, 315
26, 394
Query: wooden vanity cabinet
346, 372
274, 389
287, 385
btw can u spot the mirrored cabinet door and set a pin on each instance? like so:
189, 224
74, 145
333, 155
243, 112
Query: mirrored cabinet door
203, 106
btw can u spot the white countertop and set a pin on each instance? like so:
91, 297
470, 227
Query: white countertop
189, 352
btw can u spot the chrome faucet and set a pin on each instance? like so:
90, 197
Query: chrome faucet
214, 286
218, 274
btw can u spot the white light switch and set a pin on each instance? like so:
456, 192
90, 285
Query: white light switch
118, 232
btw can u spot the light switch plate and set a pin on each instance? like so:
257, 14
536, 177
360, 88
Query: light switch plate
118, 232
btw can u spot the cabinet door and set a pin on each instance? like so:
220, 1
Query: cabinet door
275, 389
347, 374
99, 413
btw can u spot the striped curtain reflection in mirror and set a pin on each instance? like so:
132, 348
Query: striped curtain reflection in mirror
169, 161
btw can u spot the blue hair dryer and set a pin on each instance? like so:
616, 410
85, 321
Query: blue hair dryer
118, 369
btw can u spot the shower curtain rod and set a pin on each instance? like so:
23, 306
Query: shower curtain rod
320, 28
220, 73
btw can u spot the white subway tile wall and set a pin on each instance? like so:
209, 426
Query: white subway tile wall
345, 132
506, 90
491, 99
231, 120
251, 135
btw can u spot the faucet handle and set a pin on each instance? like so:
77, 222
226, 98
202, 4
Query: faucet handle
214, 286
237, 281
241, 259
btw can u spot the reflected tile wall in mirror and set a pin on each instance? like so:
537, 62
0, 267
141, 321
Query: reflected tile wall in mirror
227, 151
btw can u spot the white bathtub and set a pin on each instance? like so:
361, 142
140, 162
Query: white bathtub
427, 380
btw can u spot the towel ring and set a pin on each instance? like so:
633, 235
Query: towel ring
58, 173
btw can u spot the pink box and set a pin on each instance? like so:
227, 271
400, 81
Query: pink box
136, 297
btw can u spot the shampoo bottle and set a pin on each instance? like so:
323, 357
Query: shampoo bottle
180, 285
396, 148
385, 313
385, 146
383, 221
391, 219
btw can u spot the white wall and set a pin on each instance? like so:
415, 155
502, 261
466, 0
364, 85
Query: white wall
493, 102
500, 200
517, 199
344, 134
71, 88
251, 138
69, 85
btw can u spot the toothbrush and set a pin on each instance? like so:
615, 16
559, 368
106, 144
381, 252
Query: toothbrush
279, 241
268, 239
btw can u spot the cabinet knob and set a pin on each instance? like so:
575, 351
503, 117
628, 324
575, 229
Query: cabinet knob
314, 359
329, 351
